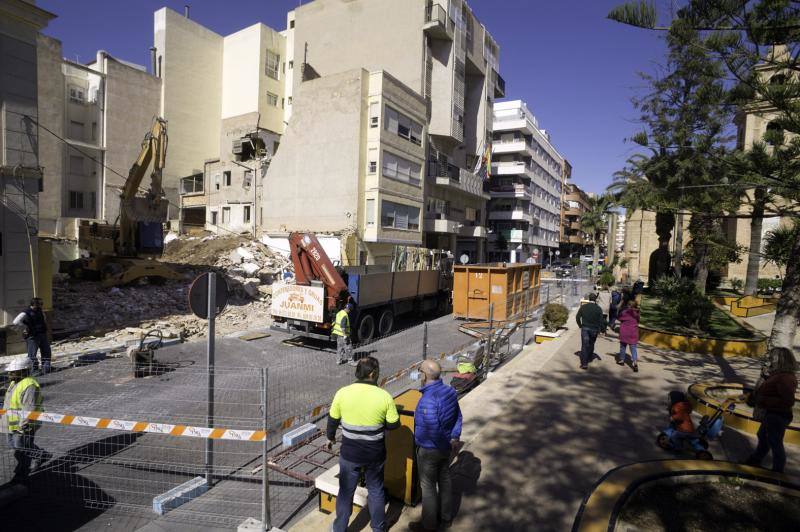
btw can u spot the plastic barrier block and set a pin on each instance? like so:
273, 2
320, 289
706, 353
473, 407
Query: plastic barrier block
299, 434
179, 494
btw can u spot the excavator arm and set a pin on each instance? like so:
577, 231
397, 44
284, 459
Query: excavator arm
311, 263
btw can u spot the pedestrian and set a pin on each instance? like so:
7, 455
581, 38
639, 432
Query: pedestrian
638, 287
365, 411
614, 307
629, 334
591, 320
774, 401
35, 331
23, 394
341, 330
437, 429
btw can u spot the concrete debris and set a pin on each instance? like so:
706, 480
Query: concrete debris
170, 237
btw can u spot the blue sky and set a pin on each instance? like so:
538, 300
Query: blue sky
574, 68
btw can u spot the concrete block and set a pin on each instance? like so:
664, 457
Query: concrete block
295, 436
179, 495
254, 525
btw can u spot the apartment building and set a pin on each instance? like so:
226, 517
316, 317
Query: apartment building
574, 240
526, 187
97, 115
21, 252
224, 100
429, 79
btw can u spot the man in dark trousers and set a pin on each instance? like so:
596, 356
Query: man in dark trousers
591, 320
35, 331
364, 411
437, 429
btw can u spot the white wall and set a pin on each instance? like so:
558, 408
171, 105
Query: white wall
240, 71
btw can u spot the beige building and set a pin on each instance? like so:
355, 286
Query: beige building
444, 64
573, 238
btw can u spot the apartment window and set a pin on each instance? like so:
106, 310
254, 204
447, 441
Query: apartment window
398, 216
226, 182
246, 214
373, 167
291, 24
77, 94
76, 129
248, 178
370, 212
75, 199
214, 217
289, 100
192, 184
272, 99
76, 164
226, 215
374, 114
395, 167
403, 126
291, 65
216, 181
273, 65
470, 214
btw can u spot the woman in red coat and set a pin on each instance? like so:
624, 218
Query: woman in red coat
629, 333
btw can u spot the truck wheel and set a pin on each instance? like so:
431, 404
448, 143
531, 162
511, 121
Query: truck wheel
386, 322
366, 328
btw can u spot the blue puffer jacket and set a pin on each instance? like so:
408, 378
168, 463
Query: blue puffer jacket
438, 417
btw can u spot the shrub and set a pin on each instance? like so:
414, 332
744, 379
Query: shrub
737, 284
769, 285
575, 261
554, 317
670, 288
692, 310
606, 279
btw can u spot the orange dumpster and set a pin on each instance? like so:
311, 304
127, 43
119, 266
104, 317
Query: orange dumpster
511, 289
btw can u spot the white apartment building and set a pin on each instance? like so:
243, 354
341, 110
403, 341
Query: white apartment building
224, 100
408, 112
526, 187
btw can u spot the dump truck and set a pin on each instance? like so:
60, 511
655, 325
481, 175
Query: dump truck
379, 295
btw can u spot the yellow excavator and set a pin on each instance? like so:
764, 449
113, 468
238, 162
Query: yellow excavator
126, 251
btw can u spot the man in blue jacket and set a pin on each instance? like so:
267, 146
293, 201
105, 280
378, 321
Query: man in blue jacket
437, 428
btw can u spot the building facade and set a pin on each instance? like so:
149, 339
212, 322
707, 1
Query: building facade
574, 240
527, 173
434, 102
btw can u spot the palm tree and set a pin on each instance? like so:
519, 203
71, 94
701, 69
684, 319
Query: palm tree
593, 221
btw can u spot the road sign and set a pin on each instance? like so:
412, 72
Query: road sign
198, 295
558, 253
464, 258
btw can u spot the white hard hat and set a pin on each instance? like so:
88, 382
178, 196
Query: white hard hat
19, 364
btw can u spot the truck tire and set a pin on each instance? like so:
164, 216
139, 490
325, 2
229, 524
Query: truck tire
386, 322
366, 328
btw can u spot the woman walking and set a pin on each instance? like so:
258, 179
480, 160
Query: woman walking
775, 398
629, 333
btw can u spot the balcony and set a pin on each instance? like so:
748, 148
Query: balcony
515, 190
454, 227
516, 214
508, 167
438, 23
499, 85
515, 236
192, 185
452, 176
509, 146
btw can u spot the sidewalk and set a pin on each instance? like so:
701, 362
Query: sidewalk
541, 432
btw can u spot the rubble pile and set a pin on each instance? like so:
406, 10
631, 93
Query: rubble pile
87, 315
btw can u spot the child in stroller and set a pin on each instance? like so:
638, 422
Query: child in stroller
681, 433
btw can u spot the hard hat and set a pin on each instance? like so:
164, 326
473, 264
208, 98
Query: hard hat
349, 307
19, 364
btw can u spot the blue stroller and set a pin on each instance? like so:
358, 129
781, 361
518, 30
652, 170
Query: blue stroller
710, 428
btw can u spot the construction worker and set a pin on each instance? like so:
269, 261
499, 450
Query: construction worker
23, 394
341, 330
365, 412
35, 332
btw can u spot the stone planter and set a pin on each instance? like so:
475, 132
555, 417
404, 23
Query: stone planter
540, 335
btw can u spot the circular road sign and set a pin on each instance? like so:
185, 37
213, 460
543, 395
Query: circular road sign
198, 295
464, 258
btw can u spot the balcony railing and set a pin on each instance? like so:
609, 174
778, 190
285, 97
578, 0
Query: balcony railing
499, 85
438, 23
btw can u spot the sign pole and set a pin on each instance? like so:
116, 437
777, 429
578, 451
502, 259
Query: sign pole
212, 314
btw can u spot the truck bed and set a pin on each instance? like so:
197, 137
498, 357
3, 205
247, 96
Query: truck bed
379, 288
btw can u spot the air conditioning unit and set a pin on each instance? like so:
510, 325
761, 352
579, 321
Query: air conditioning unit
237, 146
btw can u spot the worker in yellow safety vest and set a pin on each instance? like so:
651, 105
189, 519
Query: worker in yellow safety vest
364, 411
23, 395
341, 330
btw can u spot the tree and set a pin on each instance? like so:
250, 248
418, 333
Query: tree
758, 42
778, 244
593, 221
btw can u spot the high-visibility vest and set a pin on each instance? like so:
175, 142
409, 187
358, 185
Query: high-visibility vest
364, 409
14, 402
341, 326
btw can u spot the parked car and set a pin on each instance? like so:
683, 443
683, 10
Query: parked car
587, 258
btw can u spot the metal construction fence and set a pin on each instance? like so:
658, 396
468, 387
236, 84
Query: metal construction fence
110, 441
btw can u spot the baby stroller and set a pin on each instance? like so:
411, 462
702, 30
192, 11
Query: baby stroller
710, 428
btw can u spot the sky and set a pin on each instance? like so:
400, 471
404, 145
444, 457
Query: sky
576, 70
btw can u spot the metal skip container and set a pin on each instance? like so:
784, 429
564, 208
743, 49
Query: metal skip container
511, 288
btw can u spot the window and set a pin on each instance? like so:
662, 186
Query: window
291, 24
76, 164
226, 182
373, 167
77, 94
226, 215
774, 134
75, 199
398, 216
291, 65
272, 99
374, 112
470, 214
289, 100
248, 178
403, 126
246, 214
192, 184
214, 217
76, 129
216, 181
273, 65
401, 169
370, 212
